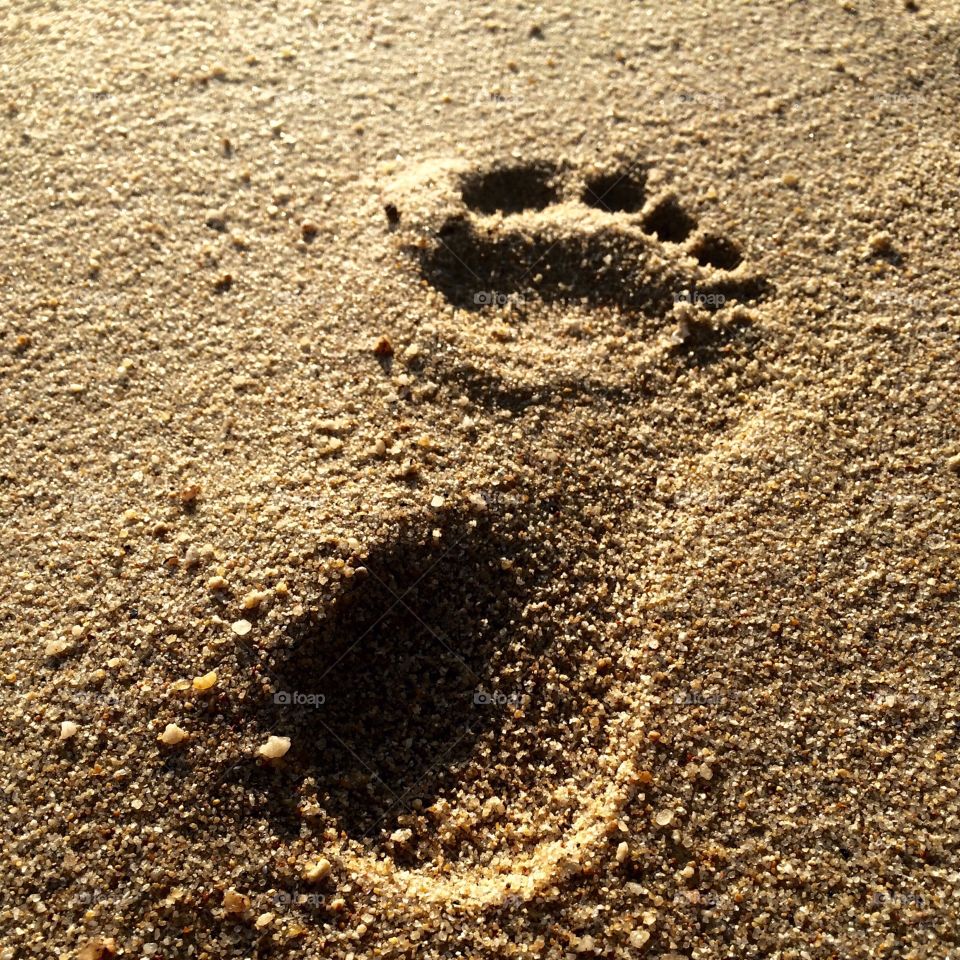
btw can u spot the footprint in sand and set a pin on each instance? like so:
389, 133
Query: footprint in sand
540, 232
565, 255
413, 701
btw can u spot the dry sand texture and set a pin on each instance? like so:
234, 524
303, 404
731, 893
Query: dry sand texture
479, 480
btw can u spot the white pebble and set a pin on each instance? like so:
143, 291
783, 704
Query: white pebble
55, 647
172, 735
253, 600
274, 748
663, 818
68, 729
315, 872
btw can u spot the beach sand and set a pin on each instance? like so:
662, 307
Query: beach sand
479, 480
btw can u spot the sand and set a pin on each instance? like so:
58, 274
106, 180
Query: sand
479, 481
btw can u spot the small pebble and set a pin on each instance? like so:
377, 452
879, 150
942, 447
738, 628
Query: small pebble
68, 729
254, 599
201, 684
188, 495
99, 948
172, 735
274, 748
880, 243
235, 903
663, 818
241, 627
315, 872
55, 647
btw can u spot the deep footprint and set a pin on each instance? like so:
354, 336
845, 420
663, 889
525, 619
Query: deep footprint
385, 697
478, 263
669, 222
474, 270
617, 192
511, 189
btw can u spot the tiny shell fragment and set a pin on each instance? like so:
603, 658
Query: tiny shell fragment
201, 684
315, 872
274, 748
234, 902
172, 735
